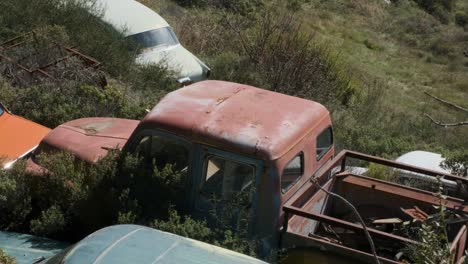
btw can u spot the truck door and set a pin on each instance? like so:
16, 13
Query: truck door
161, 151
227, 189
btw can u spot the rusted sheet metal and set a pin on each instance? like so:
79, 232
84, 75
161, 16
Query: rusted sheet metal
359, 189
416, 213
348, 225
402, 191
238, 117
89, 138
333, 248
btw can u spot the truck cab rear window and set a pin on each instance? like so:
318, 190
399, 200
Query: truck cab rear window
292, 172
324, 142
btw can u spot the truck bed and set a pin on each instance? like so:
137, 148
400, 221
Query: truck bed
392, 213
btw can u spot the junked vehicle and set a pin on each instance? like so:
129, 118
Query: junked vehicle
18, 137
138, 244
28, 249
427, 160
275, 150
153, 38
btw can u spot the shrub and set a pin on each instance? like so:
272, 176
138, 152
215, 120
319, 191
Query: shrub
381, 172
15, 199
5, 259
457, 162
86, 30
244, 7
461, 19
434, 246
51, 221
289, 61
199, 230
442, 9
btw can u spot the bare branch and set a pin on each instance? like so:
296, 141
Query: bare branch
447, 103
465, 123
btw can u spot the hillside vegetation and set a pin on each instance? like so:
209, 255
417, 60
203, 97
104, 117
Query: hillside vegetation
371, 63
387, 54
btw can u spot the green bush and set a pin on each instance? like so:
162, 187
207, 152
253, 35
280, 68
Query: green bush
244, 7
462, 19
457, 162
442, 9
51, 221
5, 259
199, 230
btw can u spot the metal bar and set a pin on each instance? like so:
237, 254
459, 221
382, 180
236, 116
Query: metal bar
15, 38
458, 244
92, 61
365, 157
17, 64
346, 225
341, 249
343, 164
55, 62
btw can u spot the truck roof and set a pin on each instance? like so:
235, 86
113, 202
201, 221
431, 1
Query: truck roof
237, 117
129, 15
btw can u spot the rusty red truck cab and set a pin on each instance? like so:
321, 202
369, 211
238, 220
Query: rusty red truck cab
231, 136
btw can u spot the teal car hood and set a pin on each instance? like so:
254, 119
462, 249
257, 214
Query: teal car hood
138, 244
26, 249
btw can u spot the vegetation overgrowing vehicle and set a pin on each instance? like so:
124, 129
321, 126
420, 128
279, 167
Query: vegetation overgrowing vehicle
371, 87
152, 37
140, 244
240, 154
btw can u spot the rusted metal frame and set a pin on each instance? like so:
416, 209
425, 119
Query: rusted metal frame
459, 242
347, 225
17, 64
342, 248
14, 39
90, 60
55, 62
389, 163
453, 203
307, 190
24, 68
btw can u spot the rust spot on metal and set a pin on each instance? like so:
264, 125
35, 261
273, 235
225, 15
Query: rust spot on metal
238, 118
416, 213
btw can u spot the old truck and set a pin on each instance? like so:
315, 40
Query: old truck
230, 138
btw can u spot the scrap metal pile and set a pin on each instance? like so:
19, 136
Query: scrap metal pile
34, 57
393, 214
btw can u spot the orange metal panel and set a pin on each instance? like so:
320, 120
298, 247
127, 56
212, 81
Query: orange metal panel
18, 135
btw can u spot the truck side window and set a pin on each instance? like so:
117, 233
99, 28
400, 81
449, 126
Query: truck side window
292, 172
159, 151
324, 142
224, 177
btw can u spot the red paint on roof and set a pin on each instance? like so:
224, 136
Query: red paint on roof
239, 117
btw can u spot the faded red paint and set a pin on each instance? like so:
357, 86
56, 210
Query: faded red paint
238, 117
89, 139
